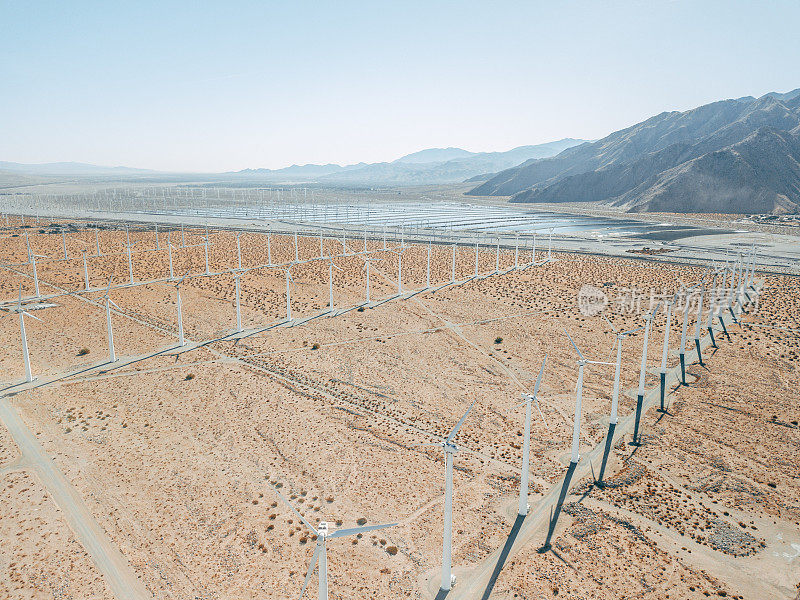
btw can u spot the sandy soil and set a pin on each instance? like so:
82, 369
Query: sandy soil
175, 454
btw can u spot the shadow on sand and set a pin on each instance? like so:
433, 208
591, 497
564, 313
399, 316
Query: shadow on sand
554, 519
501, 561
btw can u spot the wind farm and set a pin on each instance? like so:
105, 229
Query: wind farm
176, 400
339, 301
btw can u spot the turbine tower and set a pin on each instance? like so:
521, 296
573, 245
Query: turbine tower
524, 507
112, 356
664, 351
640, 395
23, 336
450, 448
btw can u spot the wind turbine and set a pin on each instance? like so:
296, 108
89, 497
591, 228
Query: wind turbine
682, 350
450, 448
130, 261
112, 356
621, 335
296, 251
367, 260
238, 302
524, 507
699, 323
331, 267
85, 272
428, 270
576, 424
35, 273
181, 340
288, 292
23, 336
664, 351
453, 267
640, 395
320, 552
206, 250
169, 250
399, 269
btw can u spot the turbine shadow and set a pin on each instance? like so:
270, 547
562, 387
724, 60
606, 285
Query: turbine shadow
501, 561
606, 452
442, 594
564, 489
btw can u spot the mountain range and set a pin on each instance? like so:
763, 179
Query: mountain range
731, 156
68, 168
430, 166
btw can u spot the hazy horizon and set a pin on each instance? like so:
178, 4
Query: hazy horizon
177, 88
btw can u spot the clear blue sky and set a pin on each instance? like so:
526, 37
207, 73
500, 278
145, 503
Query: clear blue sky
208, 86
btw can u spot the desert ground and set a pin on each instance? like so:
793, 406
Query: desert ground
156, 475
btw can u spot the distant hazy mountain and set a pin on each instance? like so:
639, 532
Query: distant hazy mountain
69, 168
737, 156
432, 155
426, 166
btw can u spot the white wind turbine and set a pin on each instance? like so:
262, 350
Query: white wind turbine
205, 249
181, 340
331, 267
699, 322
524, 507
85, 272
367, 260
576, 424
453, 267
321, 552
450, 448
130, 260
399, 269
682, 349
289, 278
35, 272
664, 352
428, 269
296, 251
236, 278
23, 336
617, 368
642, 371
112, 356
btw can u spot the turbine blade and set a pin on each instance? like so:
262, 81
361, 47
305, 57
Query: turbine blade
610, 323
539, 379
355, 530
294, 510
580, 355
630, 331
313, 564
459, 424
25, 312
